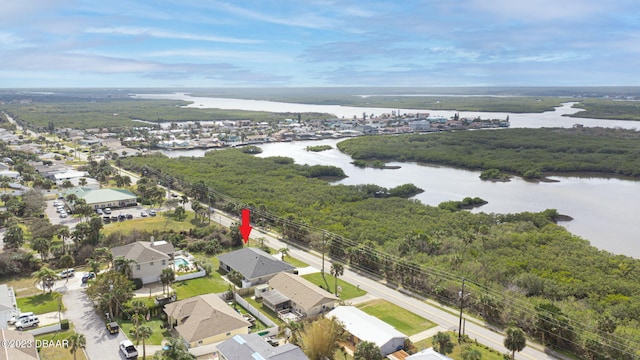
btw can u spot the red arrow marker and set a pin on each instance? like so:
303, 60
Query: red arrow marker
245, 226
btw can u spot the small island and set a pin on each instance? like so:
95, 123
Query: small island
466, 204
495, 175
375, 164
318, 148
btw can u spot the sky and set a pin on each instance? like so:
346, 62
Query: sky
318, 43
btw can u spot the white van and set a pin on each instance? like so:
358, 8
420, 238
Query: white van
19, 317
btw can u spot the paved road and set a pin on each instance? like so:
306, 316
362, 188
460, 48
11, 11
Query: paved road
100, 344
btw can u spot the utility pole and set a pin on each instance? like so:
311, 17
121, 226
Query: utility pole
461, 306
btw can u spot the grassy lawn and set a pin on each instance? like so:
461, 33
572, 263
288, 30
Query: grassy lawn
204, 285
55, 352
487, 353
403, 320
23, 286
162, 222
258, 325
41, 303
155, 339
348, 291
295, 262
263, 309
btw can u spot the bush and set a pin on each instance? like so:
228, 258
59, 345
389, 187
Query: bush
137, 284
64, 324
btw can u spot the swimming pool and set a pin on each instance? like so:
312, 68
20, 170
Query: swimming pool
181, 261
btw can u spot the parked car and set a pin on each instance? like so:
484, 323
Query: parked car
88, 276
67, 273
19, 317
56, 203
112, 327
129, 216
152, 213
114, 218
106, 219
121, 217
99, 212
128, 349
107, 211
144, 214
28, 322
63, 215
60, 209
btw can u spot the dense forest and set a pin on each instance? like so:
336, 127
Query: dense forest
521, 269
526, 152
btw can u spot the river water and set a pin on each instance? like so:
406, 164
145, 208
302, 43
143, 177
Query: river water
604, 209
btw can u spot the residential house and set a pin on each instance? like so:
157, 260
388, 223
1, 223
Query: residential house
150, 258
293, 293
105, 198
8, 305
364, 327
255, 265
205, 319
253, 346
18, 352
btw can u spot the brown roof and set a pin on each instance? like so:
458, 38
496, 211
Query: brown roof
204, 316
143, 251
301, 291
18, 352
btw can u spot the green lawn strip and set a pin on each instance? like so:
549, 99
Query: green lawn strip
403, 320
263, 309
487, 352
162, 221
295, 262
204, 285
348, 291
155, 339
52, 346
40, 304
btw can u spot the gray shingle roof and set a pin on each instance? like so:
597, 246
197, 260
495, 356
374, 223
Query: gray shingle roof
243, 347
253, 263
143, 251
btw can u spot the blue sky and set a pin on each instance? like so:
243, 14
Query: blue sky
201, 43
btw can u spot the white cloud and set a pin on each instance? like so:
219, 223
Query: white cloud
141, 31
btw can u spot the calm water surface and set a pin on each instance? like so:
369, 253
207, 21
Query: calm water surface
604, 209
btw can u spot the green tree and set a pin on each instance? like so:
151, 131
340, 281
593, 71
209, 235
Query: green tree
284, 252
42, 246
337, 270
167, 277
124, 265
514, 340
470, 353
442, 343
293, 330
76, 342
175, 350
142, 333
47, 277
367, 350
13, 238
110, 290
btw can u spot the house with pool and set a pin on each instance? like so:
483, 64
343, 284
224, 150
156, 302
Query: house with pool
150, 258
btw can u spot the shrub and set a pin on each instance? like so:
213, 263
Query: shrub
64, 324
137, 284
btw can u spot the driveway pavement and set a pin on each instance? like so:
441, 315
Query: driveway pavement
100, 344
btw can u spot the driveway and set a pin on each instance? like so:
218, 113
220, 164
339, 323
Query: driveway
87, 321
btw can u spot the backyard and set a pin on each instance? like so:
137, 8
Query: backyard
41, 303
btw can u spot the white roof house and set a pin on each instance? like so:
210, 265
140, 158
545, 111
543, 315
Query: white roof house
365, 327
428, 354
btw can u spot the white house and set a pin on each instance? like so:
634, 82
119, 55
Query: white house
150, 258
364, 327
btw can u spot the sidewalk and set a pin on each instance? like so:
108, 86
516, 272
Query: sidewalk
426, 334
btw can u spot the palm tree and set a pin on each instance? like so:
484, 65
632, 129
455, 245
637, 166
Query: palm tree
284, 252
469, 353
123, 265
76, 341
515, 340
94, 265
42, 246
144, 332
176, 350
167, 277
442, 343
47, 276
293, 328
337, 270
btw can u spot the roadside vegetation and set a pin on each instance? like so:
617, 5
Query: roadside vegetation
530, 153
521, 269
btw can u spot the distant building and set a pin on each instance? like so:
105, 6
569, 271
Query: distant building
105, 198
